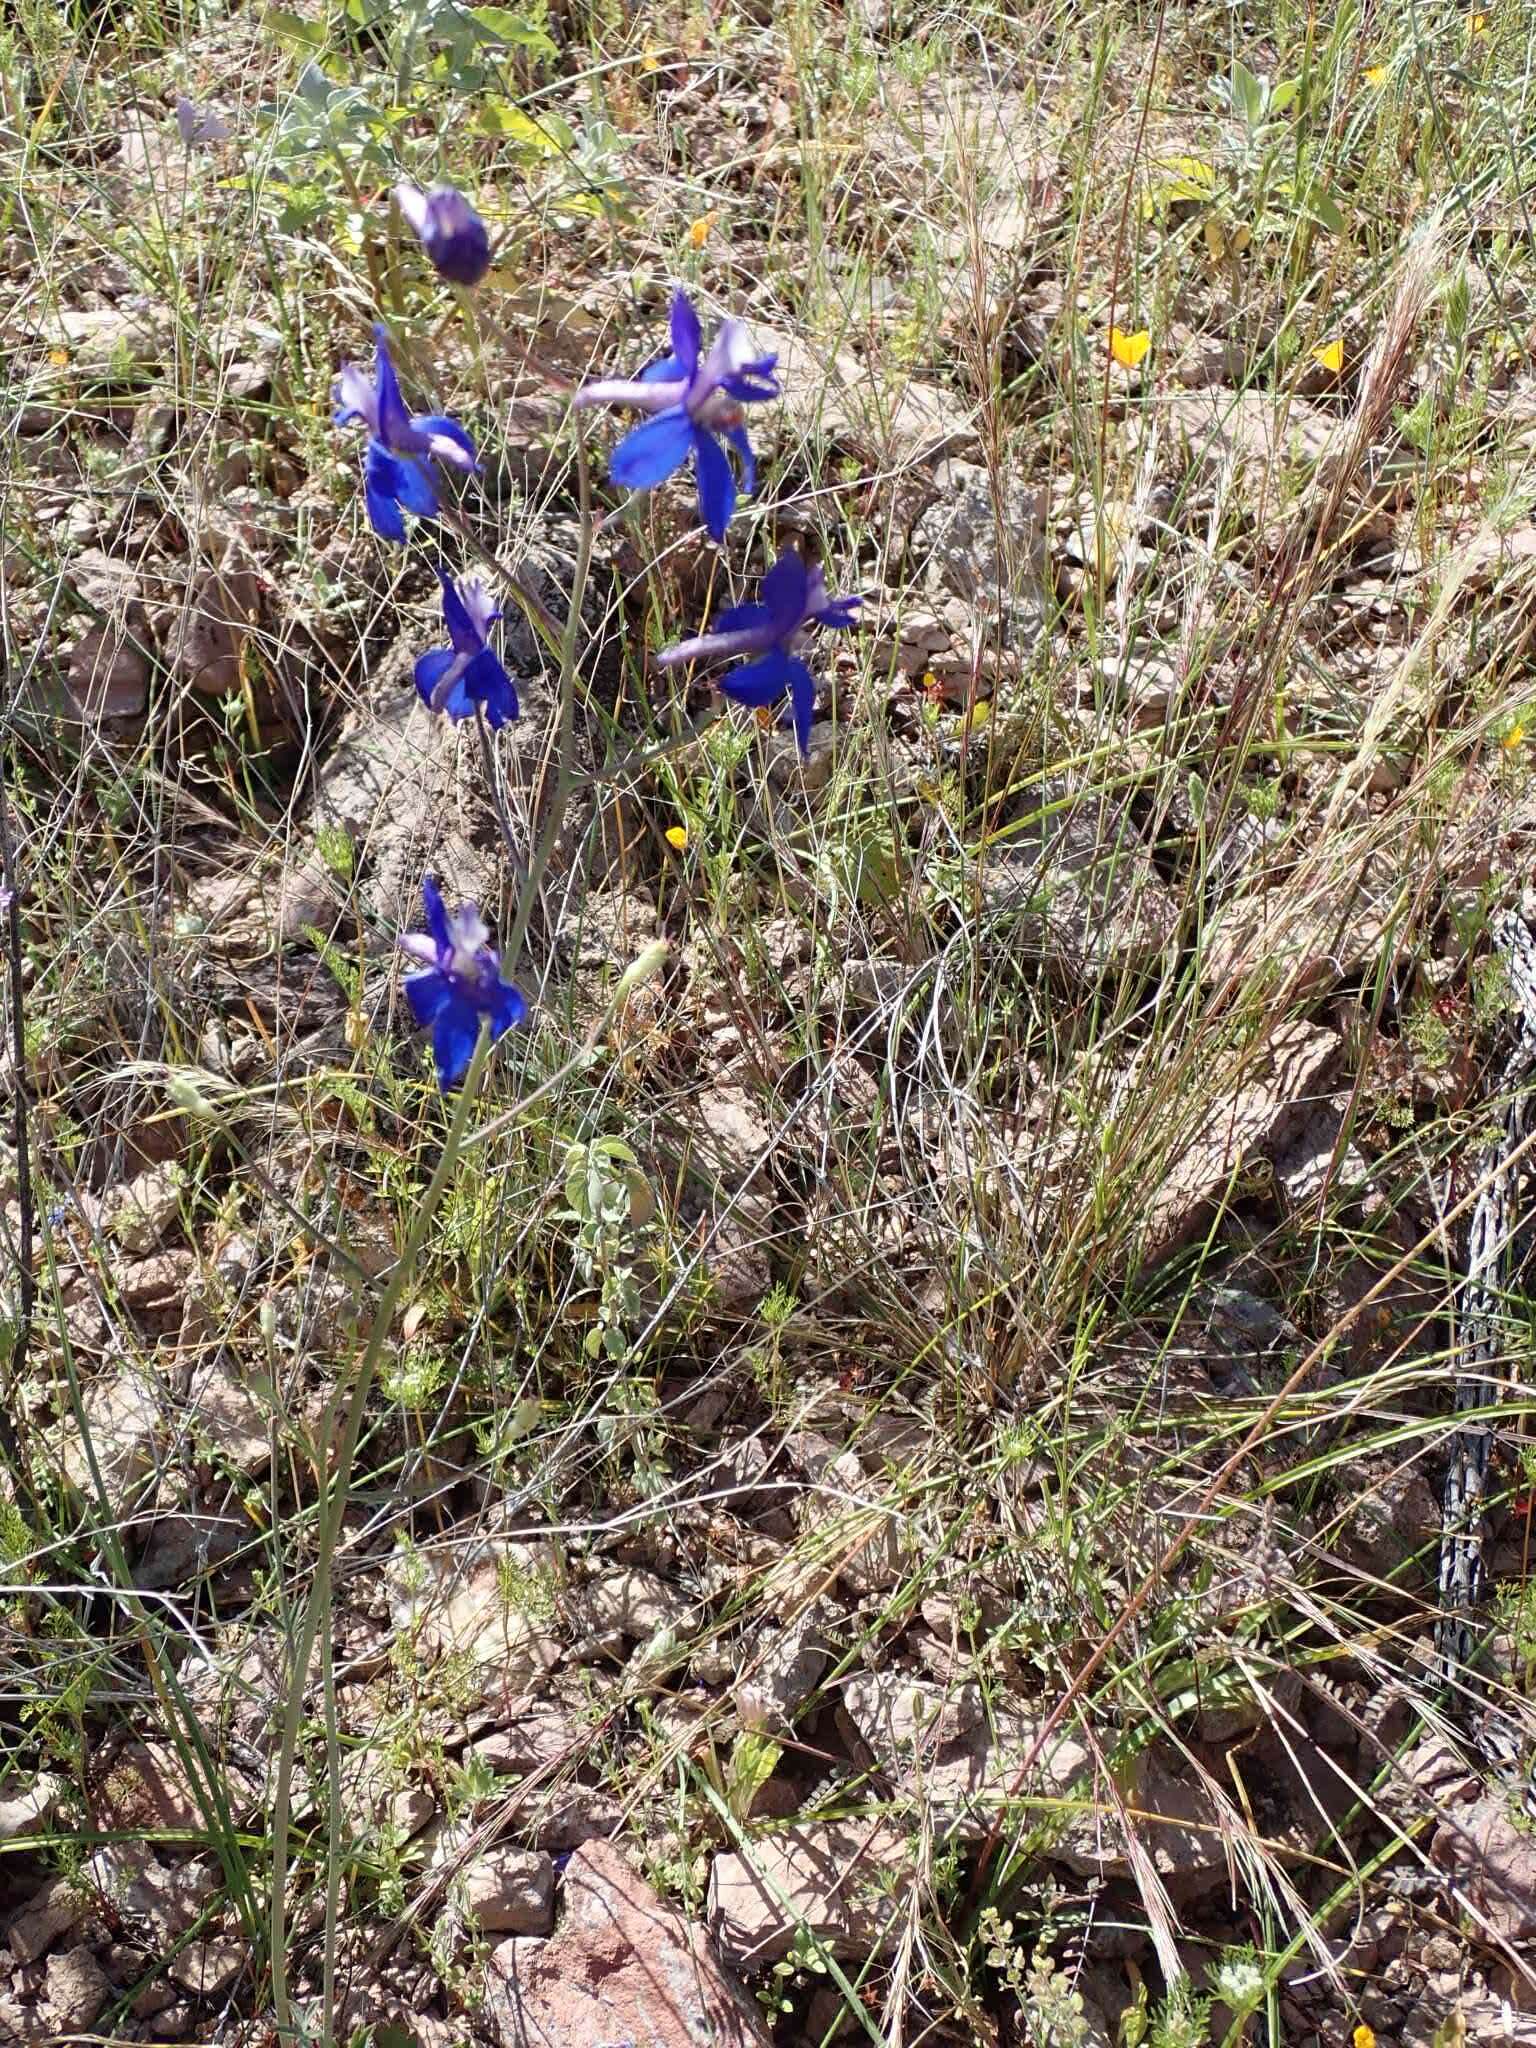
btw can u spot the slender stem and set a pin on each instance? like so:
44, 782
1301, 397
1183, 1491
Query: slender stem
498, 795
333, 1844
333, 1509
26, 1282
565, 778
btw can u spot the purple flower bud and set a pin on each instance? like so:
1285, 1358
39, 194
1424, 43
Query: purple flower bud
452, 233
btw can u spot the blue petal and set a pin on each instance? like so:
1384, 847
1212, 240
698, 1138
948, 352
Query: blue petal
785, 589
842, 611
486, 682
507, 1008
379, 493
400, 481
687, 335
414, 487
737, 436
668, 370
426, 994
439, 423
651, 452
717, 485
437, 916
462, 630
394, 420
430, 670
738, 617
453, 1039
802, 706
753, 382
763, 681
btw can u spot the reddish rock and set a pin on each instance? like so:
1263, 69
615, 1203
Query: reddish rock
1250, 1113
846, 1881
148, 1790
1494, 1862
622, 1966
510, 1891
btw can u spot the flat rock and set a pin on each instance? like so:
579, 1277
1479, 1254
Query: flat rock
393, 786
845, 1881
1268, 940
206, 638
466, 1608
1391, 1516
123, 1420
533, 1738
106, 665
895, 423
969, 554
955, 1760
730, 1138
139, 1212
1267, 1090
1219, 431
785, 1670
110, 344
1494, 1862
25, 1809
623, 1966
232, 1417
161, 1281
78, 1988
180, 1547
637, 1603
961, 1765
147, 1790
890, 1712
1079, 888
207, 1969
510, 1891
50, 1912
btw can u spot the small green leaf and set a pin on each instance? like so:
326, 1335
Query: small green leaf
502, 25
1247, 92
1321, 206
294, 30
543, 137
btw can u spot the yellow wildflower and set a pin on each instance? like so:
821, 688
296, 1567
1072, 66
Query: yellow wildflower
1128, 349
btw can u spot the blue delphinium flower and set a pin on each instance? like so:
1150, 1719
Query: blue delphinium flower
794, 599
460, 983
452, 233
697, 401
394, 472
455, 679
200, 124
